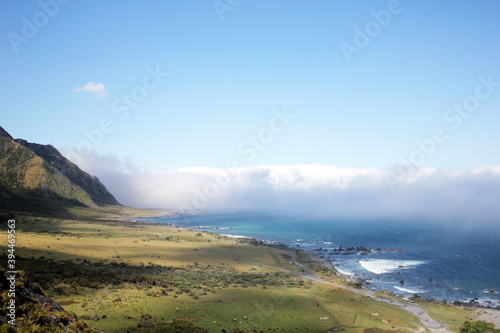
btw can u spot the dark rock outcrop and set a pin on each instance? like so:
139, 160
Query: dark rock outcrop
35, 310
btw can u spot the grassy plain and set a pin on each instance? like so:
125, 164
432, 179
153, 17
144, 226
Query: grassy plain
451, 315
121, 276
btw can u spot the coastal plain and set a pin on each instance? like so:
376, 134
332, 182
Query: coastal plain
120, 275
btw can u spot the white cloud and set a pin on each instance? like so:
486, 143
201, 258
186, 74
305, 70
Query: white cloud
97, 88
460, 195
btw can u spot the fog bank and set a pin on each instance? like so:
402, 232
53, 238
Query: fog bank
460, 195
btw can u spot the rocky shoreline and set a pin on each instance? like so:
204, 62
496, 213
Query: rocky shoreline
317, 255
361, 250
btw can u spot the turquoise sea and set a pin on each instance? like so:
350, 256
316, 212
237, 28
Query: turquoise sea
438, 261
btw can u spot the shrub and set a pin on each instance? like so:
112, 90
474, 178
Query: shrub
478, 327
6, 328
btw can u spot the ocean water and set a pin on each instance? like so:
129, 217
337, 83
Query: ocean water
438, 261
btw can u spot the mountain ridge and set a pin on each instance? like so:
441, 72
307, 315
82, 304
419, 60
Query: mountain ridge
35, 176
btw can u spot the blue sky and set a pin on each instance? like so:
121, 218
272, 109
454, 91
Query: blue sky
227, 76
334, 108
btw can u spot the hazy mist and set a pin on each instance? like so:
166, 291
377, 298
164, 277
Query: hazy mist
454, 195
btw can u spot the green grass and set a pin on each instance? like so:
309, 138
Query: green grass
451, 315
127, 271
289, 309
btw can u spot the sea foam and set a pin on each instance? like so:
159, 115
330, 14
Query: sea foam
234, 236
381, 266
416, 291
344, 272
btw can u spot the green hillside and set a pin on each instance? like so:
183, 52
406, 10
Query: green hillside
38, 178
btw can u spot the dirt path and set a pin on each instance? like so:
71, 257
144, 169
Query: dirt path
425, 320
